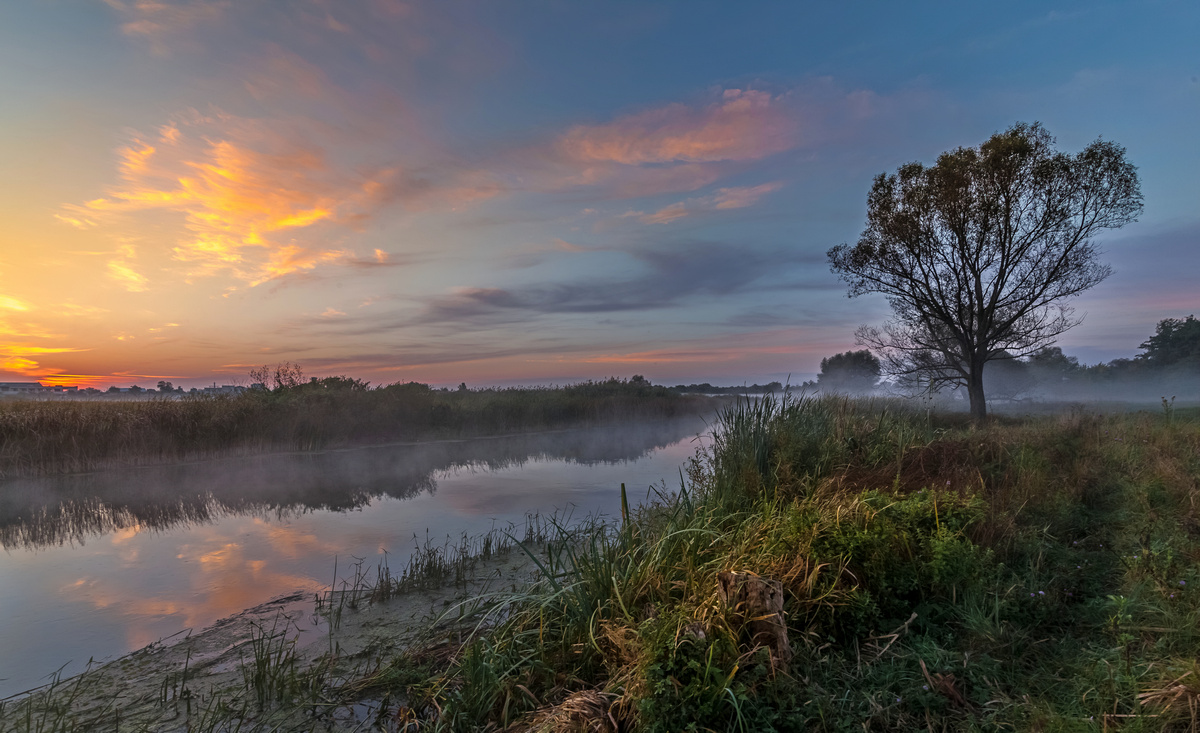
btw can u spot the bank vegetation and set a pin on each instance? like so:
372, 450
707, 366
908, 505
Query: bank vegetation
38, 436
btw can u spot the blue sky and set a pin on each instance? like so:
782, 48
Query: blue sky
537, 191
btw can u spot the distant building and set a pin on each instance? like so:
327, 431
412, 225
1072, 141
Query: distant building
34, 388
20, 387
224, 389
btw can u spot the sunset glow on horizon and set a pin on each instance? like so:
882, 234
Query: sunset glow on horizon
504, 193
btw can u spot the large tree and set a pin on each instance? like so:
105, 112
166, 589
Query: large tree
978, 254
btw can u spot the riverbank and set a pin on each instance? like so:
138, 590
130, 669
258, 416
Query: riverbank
834, 565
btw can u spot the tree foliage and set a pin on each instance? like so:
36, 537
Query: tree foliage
851, 372
978, 254
1175, 341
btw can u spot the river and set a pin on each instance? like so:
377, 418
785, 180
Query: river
98, 565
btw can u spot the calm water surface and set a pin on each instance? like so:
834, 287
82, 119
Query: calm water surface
96, 566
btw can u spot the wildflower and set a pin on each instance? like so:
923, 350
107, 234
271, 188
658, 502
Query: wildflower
924, 687
1041, 592
1183, 582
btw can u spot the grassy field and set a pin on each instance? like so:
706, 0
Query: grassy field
1037, 573
82, 435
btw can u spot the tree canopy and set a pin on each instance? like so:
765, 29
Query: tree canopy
978, 254
853, 372
1175, 341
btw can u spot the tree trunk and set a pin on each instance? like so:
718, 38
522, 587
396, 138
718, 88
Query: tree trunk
975, 392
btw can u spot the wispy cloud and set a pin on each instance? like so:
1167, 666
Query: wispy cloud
160, 21
670, 148
721, 199
742, 125
75, 310
120, 269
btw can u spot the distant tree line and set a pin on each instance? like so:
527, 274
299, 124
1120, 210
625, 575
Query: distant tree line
1168, 366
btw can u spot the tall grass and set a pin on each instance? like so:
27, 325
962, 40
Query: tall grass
81, 435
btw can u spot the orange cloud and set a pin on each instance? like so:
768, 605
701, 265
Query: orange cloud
237, 183
76, 380
13, 304
14, 357
257, 198
743, 125
121, 269
18, 352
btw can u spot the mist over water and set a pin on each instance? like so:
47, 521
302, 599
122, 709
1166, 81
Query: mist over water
109, 562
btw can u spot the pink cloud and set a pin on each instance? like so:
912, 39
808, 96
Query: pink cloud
665, 215
740, 198
722, 199
743, 125
672, 148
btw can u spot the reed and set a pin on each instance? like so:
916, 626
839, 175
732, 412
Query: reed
82, 435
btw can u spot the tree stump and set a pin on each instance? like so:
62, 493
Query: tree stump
757, 603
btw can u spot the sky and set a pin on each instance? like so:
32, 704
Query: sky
541, 191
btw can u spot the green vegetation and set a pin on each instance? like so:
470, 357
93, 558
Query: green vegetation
69, 436
1032, 574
